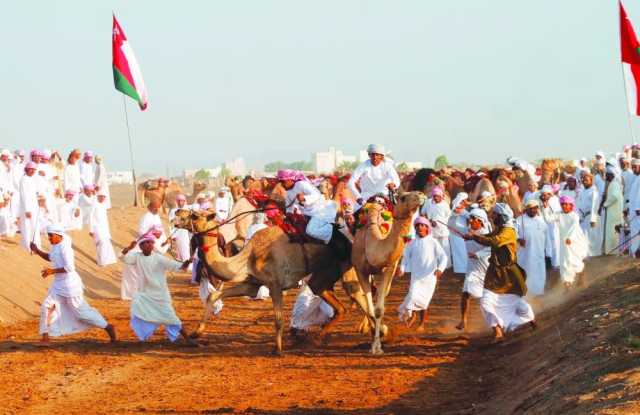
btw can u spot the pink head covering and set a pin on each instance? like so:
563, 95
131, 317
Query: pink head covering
69, 193
88, 187
30, 165
436, 191
147, 237
88, 153
627, 147
567, 199
45, 154
421, 220
181, 197
288, 174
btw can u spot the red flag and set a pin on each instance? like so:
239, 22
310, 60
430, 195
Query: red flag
630, 53
127, 76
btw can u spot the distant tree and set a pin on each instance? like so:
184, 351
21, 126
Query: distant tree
202, 174
296, 165
403, 168
225, 172
441, 162
348, 166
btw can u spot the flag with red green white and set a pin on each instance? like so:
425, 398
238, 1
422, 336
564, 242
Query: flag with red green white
630, 52
127, 76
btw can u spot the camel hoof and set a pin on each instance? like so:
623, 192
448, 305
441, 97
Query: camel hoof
276, 353
377, 351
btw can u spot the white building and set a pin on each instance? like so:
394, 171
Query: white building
237, 167
120, 177
329, 161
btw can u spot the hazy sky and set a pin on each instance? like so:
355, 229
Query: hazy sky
476, 80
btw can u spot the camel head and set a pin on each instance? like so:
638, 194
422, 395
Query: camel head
199, 186
194, 221
408, 203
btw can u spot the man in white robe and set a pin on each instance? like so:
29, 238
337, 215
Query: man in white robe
574, 245
28, 207
64, 310
223, 203
72, 174
549, 207
570, 188
477, 264
101, 182
86, 202
587, 209
87, 174
634, 209
611, 208
17, 172
374, 176
425, 261
99, 230
309, 310
180, 238
458, 220
532, 234
151, 306
69, 212
437, 210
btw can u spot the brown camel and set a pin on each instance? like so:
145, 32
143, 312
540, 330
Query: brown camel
551, 171
376, 255
270, 259
241, 217
198, 187
162, 190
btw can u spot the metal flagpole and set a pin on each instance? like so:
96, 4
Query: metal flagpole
133, 169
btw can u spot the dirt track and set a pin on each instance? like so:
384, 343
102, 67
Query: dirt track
234, 371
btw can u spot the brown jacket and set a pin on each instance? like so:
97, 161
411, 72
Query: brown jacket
504, 275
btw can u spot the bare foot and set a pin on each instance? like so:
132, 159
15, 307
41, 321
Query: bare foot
111, 331
461, 326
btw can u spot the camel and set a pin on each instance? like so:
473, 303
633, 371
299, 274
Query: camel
241, 217
269, 259
198, 187
551, 170
376, 255
163, 190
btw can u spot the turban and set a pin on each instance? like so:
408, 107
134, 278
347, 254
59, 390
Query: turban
102, 193
205, 206
547, 188
5, 153
600, 154
20, 153
147, 237
461, 197
479, 214
421, 220
531, 203
88, 187
376, 149
56, 229
181, 197
436, 191
201, 196
45, 154
567, 199
88, 153
288, 174
156, 228
635, 162
611, 170
30, 165
69, 192
627, 147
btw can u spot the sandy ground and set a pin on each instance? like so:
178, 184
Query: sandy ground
583, 358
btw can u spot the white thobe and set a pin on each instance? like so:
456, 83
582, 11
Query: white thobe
438, 214
102, 182
599, 182
634, 217
459, 255
28, 204
67, 214
571, 256
552, 244
477, 265
64, 310
531, 255
182, 238
587, 205
86, 203
422, 258
628, 178
99, 226
87, 175
72, 178
223, 206
152, 302
612, 216
322, 212
309, 310
18, 172
373, 179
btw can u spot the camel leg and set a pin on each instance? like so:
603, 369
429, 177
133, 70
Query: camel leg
366, 304
357, 295
242, 289
338, 310
276, 298
383, 288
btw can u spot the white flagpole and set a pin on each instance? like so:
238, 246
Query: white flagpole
133, 170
